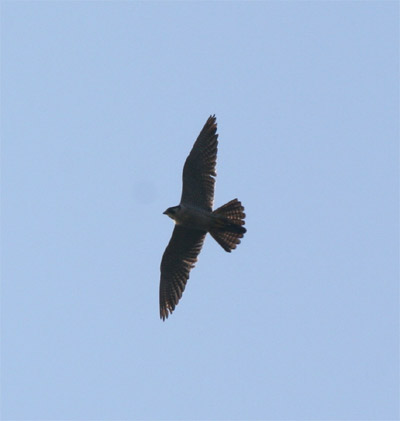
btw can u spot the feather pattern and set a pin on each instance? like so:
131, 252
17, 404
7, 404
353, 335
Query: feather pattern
229, 229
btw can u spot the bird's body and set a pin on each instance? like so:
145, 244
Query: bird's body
194, 218
191, 217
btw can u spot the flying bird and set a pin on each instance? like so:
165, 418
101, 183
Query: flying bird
194, 218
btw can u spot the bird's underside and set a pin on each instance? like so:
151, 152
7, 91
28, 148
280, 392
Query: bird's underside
194, 217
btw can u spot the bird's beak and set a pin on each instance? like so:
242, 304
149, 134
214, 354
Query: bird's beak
165, 212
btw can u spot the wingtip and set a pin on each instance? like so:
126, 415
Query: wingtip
164, 313
211, 125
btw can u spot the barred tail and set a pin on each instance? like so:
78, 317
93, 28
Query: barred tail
228, 225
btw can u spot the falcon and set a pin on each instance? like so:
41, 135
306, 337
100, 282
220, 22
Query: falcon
194, 218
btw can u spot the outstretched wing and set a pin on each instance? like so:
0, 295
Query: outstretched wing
179, 258
199, 170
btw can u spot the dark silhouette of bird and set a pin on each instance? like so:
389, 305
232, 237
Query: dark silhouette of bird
194, 218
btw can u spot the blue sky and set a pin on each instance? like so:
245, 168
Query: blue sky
101, 103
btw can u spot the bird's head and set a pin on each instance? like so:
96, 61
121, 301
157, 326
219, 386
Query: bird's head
171, 212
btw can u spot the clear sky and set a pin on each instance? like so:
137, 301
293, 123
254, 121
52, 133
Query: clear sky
101, 104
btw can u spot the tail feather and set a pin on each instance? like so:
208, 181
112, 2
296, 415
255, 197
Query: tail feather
228, 225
